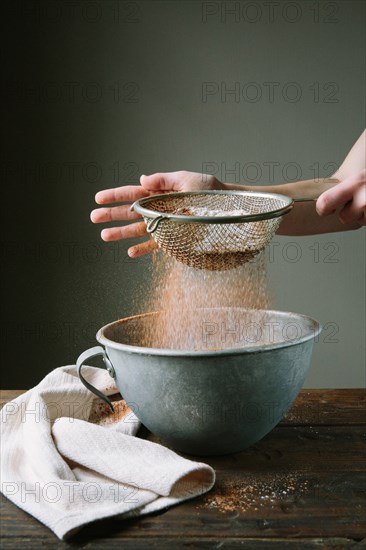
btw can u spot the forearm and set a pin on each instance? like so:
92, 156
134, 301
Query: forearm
355, 161
303, 218
299, 189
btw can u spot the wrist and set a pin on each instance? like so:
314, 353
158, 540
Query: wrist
311, 189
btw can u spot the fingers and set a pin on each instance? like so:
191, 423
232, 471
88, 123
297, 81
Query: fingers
133, 230
349, 196
115, 213
125, 232
126, 193
355, 210
163, 182
333, 198
142, 248
179, 181
150, 185
156, 183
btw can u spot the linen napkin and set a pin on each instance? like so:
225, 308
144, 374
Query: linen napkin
68, 463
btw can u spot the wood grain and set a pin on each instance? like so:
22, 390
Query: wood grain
303, 486
328, 407
203, 543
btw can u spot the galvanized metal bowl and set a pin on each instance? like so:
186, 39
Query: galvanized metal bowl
209, 402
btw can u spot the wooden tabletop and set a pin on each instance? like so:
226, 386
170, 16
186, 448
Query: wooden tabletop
301, 487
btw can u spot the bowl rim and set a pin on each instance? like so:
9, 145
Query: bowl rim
313, 330
141, 207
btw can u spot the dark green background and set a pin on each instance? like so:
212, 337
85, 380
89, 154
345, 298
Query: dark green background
96, 93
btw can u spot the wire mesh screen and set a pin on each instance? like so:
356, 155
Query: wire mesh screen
214, 246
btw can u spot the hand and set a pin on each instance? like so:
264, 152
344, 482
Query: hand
350, 196
150, 185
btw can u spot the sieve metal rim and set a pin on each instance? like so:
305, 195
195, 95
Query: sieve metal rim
138, 206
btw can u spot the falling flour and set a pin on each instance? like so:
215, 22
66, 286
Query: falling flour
204, 310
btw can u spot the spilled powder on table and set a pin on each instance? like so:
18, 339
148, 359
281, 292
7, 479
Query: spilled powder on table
253, 494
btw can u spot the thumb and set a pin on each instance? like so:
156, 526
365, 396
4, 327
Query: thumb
338, 195
168, 181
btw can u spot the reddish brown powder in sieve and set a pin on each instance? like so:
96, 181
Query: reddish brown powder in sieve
199, 307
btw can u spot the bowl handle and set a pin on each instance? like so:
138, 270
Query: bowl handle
89, 354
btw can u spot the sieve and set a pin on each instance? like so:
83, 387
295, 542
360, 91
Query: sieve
248, 222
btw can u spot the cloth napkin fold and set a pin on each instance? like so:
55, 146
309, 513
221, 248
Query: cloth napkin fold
67, 462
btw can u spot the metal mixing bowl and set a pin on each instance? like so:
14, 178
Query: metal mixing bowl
213, 401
